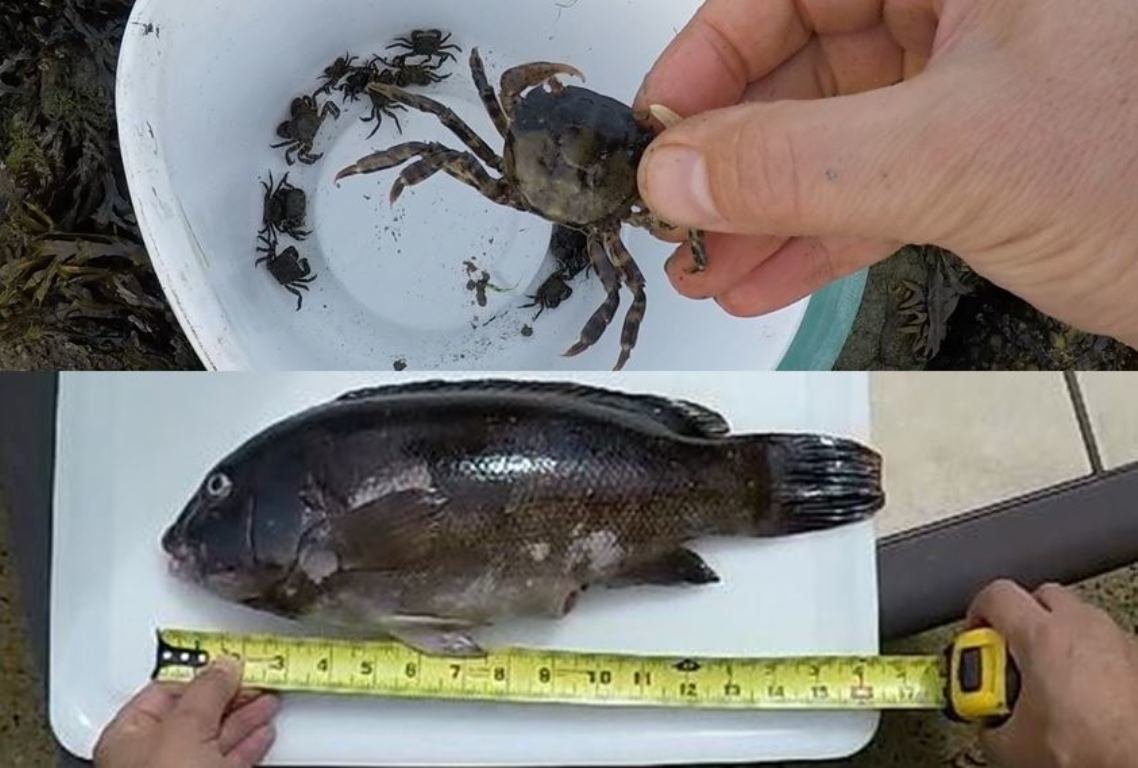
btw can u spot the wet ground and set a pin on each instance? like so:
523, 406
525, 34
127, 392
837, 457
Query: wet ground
76, 286
24, 737
925, 310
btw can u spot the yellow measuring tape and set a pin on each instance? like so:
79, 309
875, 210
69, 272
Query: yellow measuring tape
973, 681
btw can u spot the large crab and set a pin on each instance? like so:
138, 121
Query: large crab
571, 156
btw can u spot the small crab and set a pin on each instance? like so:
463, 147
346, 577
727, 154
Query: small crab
337, 71
571, 157
552, 294
570, 249
287, 268
405, 75
427, 42
300, 130
286, 209
355, 83
380, 106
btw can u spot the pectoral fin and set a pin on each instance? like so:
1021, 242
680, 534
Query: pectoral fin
680, 566
395, 530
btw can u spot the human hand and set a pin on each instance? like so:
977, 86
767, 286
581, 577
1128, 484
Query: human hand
827, 133
1079, 700
205, 724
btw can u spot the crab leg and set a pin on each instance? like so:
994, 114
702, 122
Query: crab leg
519, 79
446, 116
634, 279
460, 165
377, 113
696, 238
389, 158
295, 290
698, 241
486, 91
603, 317
451, 47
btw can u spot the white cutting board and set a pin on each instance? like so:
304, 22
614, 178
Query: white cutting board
132, 448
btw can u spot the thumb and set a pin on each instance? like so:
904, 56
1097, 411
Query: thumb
869, 165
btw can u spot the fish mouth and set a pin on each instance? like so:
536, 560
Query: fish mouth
183, 559
183, 562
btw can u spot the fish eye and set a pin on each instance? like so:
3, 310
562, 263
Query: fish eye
218, 486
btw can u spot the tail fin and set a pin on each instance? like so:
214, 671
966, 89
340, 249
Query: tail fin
819, 482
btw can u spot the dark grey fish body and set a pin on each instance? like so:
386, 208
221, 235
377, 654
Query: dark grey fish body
427, 509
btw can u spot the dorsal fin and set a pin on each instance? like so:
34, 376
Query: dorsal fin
682, 417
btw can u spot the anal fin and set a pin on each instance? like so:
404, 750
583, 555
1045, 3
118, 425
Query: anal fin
435, 637
680, 566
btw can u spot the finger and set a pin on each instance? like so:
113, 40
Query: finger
668, 233
253, 749
914, 26
206, 699
730, 259
154, 702
242, 722
731, 43
835, 65
726, 46
1058, 599
1004, 740
138, 719
1010, 610
246, 696
855, 165
800, 269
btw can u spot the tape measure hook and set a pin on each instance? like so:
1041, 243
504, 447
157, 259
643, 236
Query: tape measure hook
170, 656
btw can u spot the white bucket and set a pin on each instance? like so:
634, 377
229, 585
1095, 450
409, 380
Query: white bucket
202, 88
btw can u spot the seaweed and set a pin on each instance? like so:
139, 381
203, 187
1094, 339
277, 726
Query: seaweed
73, 269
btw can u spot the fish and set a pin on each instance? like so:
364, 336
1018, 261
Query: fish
428, 510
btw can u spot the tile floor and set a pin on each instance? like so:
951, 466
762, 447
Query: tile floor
954, 442
1112, 404
958, 442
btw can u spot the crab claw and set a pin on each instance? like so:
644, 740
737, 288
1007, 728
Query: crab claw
519, 79
351, 170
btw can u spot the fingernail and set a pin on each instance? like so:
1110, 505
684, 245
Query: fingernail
274, 702
640, 94
679, 185
229, 666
